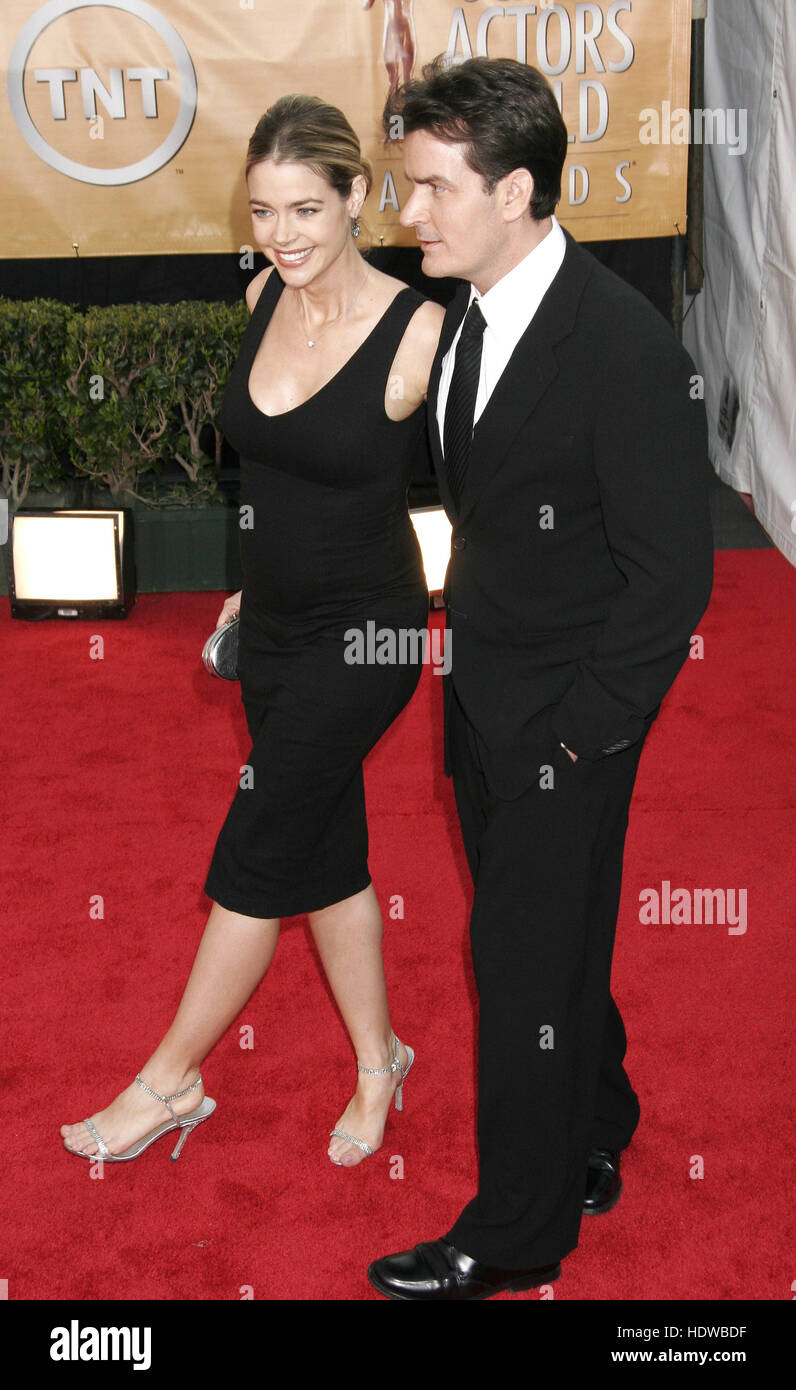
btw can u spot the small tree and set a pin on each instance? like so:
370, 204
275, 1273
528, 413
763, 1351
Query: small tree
208, 337
120, 395
116, 392
33, 356
144, 379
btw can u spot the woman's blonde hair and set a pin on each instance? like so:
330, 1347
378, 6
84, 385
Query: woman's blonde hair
304, 129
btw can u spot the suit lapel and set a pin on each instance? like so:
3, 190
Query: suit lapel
454, 314
528, 373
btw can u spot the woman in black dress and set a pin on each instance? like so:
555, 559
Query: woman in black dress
325, 406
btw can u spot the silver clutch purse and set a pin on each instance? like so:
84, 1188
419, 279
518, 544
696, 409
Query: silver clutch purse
220, 651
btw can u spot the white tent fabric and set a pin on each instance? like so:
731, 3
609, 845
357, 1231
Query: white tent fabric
741, 329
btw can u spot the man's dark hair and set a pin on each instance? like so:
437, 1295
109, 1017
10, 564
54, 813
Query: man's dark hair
505, 113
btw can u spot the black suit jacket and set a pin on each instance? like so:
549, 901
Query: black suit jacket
582, 551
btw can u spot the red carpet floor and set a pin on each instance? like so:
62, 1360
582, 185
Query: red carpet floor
117, 775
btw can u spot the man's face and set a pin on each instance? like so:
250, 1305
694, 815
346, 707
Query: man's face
456, 222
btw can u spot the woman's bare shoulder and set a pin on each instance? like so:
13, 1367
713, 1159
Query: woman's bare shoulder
255, 287
417, 349
422, 333
426, 322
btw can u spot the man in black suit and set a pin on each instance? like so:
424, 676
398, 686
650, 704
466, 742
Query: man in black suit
571, 452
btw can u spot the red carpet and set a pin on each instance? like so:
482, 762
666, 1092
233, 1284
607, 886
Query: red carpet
118, 774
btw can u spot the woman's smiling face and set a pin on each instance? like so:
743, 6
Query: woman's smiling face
300, 223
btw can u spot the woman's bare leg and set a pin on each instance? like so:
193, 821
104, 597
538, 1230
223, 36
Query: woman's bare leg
233, 955
348, 936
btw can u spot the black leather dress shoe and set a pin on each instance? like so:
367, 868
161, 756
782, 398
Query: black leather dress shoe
435, 1269
603, 1183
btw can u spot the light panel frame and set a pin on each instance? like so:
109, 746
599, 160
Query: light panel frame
42, 605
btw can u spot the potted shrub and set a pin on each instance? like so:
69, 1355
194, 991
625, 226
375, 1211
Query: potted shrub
33, 354
144, 388
118, 407
34, 464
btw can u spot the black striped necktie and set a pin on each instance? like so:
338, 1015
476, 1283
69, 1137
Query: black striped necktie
460, 405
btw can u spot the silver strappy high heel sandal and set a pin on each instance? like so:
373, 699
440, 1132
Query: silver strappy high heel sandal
184, 1123
394, 1065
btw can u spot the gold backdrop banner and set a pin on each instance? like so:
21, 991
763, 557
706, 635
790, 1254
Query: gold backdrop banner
124, 124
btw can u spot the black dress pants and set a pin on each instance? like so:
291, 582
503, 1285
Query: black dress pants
547, 869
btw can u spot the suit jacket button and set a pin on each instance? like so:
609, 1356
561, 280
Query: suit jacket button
460, 542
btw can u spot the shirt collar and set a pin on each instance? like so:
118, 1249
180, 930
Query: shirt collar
506, 304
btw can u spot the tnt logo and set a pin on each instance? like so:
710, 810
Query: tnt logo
116, 119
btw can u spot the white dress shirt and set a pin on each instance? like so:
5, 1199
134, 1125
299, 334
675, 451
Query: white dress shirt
508, 308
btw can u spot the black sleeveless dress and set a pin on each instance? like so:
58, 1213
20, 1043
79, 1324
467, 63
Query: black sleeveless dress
330, 550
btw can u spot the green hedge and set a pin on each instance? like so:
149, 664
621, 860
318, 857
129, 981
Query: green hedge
110, 395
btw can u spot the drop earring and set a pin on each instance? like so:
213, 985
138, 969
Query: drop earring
355, 228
